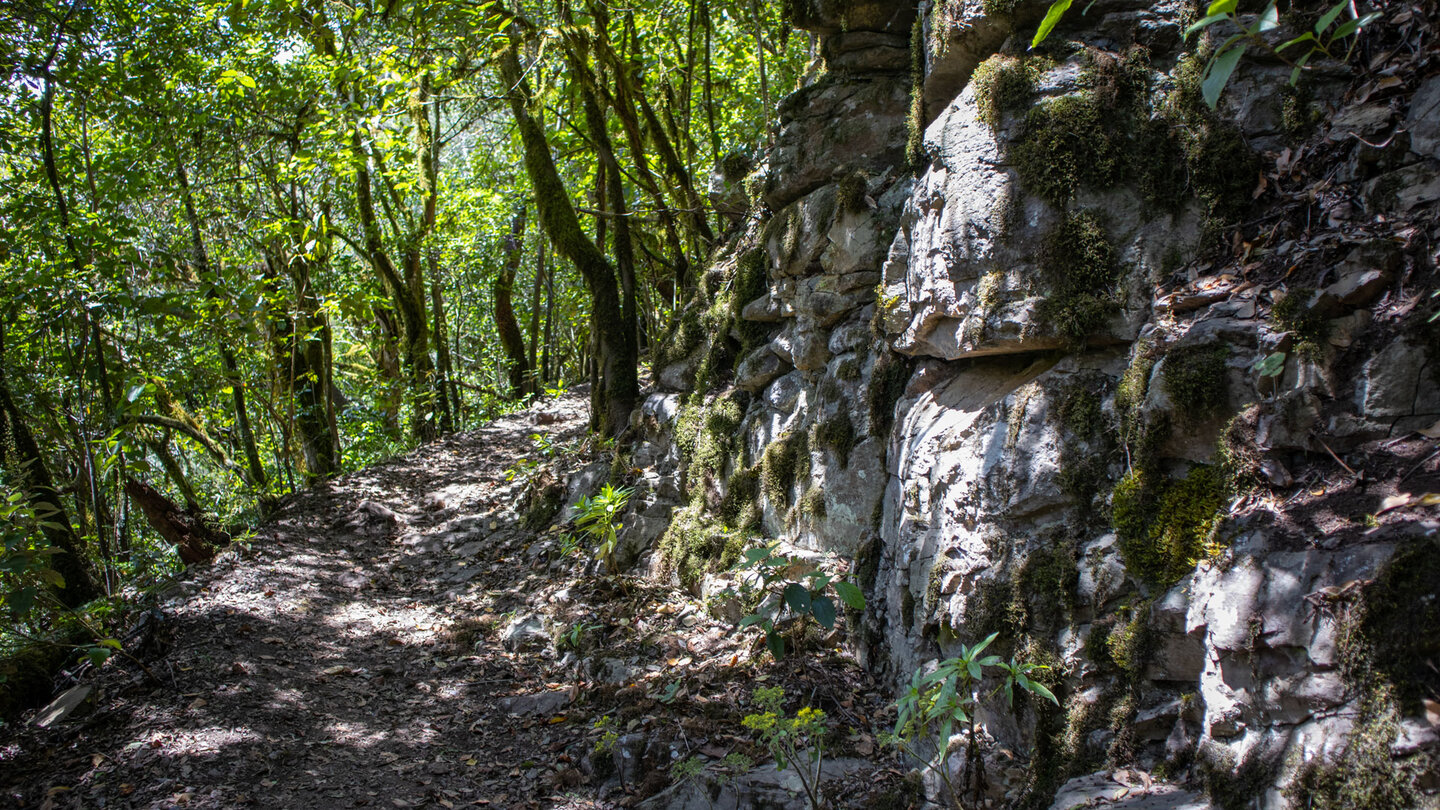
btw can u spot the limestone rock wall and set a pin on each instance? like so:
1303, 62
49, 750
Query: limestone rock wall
1041, 385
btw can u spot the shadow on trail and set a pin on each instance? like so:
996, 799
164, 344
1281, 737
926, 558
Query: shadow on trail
343, 662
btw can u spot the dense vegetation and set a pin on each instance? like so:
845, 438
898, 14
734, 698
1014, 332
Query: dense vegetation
248, 245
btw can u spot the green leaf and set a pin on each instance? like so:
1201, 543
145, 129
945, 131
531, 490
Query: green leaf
851, 595
98, 655
112, 643
1052, 18
1204, 22
797, 596
1217, 74
1305, 37
246, 81
775, 643
1040, 690
824, 611
1271, 365
1222, 7
1329, 17
974, 651
975, 670
753, 618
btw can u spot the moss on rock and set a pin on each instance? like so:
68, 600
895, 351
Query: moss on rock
1080, 267
1165, 526
1194, 379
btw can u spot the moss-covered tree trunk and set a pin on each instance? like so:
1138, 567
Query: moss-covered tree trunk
557, 215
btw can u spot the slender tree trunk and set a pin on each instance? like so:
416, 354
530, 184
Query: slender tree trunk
227, 357
534, 343
444, 371
547, 372
557, 214
503, 289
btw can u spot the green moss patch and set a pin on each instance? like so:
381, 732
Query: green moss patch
695, 545
1365, 774
1382, 628
1004, 85
786, 462
837, 434
1166, 526
888, 378
1294, 314
1081, 270
1195, 380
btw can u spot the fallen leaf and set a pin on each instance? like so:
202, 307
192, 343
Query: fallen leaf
1432, 432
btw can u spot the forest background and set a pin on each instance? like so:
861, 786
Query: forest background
248, 245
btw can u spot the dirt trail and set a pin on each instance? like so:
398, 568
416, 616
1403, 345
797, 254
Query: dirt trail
322, 668
395, 638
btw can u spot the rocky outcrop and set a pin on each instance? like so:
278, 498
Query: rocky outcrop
1146, 389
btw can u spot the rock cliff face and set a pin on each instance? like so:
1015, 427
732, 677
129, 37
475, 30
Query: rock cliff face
1148, 390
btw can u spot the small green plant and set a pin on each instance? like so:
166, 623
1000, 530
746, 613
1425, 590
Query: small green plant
764, 572
1324, 40
796, 742
597, 517
574, 637
939, 701
609, 736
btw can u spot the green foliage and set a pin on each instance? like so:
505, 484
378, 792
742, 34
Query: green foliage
1324, 40
796, 742
938, 701
787, 600
598, 518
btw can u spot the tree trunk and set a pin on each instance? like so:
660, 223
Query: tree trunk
530, 353
444, 369
503, 288
186, 531
557, 214
227, 357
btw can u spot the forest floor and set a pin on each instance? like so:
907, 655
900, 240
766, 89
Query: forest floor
397, 638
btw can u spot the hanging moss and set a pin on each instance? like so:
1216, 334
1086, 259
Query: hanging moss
695, 545
812, 503
740, 507
781, 466
915, 120
1405, 596
837, 434
888, 378
1365, 774
1293, 313
1082, 273
1194, 379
